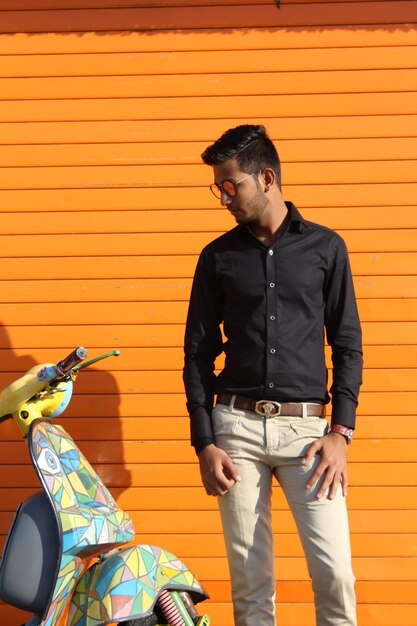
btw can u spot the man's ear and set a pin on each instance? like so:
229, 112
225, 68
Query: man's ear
268, 177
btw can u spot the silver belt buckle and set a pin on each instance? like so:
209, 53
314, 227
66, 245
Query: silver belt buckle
268, 408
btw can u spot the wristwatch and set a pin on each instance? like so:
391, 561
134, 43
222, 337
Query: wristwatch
342, 430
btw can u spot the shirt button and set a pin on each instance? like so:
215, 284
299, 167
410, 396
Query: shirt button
272, 350
272, 317
272, 285
270, 252
270, 385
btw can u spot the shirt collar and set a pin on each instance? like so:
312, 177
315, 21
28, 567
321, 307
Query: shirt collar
296, 222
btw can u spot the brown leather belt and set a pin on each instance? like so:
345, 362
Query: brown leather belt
271, 408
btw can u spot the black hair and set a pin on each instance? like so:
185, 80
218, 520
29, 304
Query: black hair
251, 147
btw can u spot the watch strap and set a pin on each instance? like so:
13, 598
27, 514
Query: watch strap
342, 430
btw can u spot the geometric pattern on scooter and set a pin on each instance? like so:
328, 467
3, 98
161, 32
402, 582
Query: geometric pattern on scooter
89, 519
127, 584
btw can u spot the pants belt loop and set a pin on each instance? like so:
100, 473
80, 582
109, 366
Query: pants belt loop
232, 402
304, 407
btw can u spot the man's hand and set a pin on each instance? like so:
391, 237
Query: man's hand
218, 472
332, 449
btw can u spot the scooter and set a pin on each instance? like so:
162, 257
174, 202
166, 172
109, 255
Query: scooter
65, 559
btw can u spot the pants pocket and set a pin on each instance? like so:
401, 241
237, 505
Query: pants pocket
309, 427
225, 421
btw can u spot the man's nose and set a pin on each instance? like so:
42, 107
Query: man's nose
225, 198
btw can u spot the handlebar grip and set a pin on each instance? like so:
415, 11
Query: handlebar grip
76, 356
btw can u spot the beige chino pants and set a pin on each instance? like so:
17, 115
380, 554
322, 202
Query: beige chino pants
262, 448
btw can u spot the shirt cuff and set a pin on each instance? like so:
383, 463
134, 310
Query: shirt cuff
201, 425
344, 412
202, 443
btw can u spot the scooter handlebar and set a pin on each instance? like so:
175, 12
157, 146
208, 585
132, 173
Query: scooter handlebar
75, 357
39, 377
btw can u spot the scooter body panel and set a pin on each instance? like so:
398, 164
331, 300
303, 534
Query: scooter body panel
126, 584
89, 520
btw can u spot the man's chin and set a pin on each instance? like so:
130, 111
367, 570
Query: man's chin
239, 217
242, 219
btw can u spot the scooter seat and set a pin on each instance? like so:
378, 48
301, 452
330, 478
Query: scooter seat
30, 558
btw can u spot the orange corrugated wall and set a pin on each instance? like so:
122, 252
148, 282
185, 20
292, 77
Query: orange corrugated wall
104, 110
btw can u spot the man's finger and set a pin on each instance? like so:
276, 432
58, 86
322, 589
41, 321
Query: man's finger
337, 479
222, 481
214, 489
316, 476
311, 452
345, 482
219, 491
328, 480
231, 472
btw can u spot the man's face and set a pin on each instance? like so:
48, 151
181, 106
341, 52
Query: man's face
249, 203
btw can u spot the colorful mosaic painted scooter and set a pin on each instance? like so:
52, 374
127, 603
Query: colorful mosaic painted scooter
63, 561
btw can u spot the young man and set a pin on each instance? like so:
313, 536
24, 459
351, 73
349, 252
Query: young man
275, 282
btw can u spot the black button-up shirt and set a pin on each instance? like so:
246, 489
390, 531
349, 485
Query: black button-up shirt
274, 303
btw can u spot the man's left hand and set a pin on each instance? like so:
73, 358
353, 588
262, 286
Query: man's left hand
333, 451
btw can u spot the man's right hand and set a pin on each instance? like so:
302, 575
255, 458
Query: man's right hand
217, 469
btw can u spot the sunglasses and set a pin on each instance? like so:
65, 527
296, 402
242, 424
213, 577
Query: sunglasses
228, 187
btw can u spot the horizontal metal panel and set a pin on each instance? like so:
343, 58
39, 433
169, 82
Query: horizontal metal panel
289, 133
207, 108
194, 64
187, 153
183, 17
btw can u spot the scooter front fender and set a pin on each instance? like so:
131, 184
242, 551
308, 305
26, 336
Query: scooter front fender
125, 585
